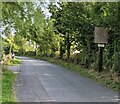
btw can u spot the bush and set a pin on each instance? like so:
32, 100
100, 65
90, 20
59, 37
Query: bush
7, 59
116, 61
30, 53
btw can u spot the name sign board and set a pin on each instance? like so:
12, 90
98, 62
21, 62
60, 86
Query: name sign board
101, 45
101, 35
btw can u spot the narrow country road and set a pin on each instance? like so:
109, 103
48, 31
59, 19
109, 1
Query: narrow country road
41, 81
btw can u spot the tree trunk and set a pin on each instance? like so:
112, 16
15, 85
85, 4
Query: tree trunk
68, 47
100, 60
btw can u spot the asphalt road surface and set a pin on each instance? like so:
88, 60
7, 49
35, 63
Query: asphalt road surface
41, 81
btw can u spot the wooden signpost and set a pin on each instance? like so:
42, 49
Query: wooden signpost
101, 38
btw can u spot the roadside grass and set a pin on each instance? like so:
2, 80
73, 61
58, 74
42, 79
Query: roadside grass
11, 62
106, 78
0, 84
8, 78
15, 61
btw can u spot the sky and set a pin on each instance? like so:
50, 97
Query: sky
45, 9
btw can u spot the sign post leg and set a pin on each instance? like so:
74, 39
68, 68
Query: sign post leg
100, 60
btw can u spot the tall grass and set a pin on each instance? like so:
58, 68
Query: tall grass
8, 78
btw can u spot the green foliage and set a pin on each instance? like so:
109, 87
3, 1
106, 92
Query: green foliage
116, 61
79, 20
7, 50
70, 28
15, 61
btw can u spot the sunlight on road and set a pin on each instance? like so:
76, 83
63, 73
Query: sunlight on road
46, 74
28, 60
41, 64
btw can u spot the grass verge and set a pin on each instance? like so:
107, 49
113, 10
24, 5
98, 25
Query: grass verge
8, 79
15, 61
0, 84
108, 79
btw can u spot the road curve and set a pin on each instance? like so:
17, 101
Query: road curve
41, 81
